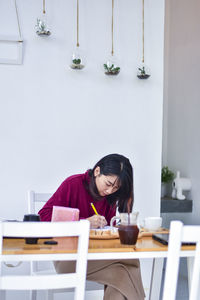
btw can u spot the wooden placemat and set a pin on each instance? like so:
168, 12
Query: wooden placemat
103, 234
145, 232
98, 234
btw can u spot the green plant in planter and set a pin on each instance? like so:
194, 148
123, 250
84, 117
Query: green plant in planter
142, 74
142, 71
42, 28
111, 70
166, 175
77, 64
76, 61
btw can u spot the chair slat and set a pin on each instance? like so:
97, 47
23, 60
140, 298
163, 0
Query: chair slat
178, 234
47, 281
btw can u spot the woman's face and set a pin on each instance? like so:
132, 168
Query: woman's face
106, 184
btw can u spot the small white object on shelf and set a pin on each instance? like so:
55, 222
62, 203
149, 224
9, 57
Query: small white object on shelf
179, 185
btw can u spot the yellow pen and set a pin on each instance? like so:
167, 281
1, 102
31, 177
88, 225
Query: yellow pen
94, 209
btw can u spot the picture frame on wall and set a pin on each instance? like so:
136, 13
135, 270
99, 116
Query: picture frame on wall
11, 45
11, 50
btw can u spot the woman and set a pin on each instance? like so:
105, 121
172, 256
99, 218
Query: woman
109, 185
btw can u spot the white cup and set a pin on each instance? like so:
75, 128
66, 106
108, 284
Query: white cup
152, 223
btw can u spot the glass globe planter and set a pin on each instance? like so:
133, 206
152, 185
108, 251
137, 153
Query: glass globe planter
111, 67
77, 61
42, 27
143, 72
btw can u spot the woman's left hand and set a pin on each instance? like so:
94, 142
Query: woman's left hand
97, 221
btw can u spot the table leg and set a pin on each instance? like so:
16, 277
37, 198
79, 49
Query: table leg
190, 263
2, 295
156, 278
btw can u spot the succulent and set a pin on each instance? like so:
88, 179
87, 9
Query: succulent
142, 71
41, 26
76, 61
111, 70
77, 64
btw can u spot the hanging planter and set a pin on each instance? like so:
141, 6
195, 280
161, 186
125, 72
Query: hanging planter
41, 25
77, 57
143, 71
111, 67
76, 60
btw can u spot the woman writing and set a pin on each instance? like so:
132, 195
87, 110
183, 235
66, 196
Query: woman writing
109, 185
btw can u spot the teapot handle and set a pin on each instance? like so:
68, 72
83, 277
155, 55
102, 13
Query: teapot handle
112, 221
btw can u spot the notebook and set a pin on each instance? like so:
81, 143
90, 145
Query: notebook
164, 238
61, 214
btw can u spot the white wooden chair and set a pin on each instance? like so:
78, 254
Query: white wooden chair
46, 281
178, 234
35, 202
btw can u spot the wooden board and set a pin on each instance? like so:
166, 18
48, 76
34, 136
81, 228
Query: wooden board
144, 232
103, 234
99, 234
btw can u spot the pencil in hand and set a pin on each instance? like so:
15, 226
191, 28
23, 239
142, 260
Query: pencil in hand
94, 209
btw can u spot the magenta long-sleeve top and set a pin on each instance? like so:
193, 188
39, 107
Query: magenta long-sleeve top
73, 193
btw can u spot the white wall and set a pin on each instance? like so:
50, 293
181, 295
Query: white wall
182, 96
55, 121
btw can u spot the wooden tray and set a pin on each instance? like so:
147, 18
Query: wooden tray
98, 234
103, 234
145, 232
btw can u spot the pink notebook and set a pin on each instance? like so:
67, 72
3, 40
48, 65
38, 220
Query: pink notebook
61, 213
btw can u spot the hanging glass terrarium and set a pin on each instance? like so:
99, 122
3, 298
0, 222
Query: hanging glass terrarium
143, 71
41, 26
77, 61
111, 66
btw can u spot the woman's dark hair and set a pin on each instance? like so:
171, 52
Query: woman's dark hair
119, 165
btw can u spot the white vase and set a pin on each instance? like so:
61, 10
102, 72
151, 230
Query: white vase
163, 189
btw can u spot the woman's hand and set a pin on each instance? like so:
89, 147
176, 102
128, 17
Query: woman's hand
97, 221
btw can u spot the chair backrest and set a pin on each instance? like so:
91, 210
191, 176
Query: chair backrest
36, 201
44, 282
178, 234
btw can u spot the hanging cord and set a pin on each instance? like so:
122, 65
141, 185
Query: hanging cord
112, 52
77, 20
44, 11
143, 31
20, 35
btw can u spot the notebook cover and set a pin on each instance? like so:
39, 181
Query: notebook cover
61, 214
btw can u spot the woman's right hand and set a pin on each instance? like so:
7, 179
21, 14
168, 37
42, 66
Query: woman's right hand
97, 221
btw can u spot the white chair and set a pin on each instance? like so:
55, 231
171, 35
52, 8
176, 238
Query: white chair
35, 202
178, 234
46, 281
